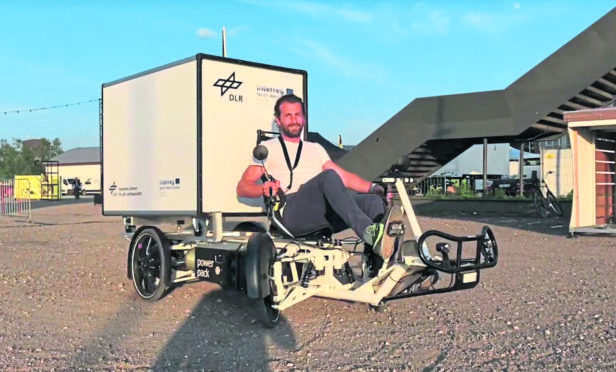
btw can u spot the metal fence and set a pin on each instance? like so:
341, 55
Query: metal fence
443, 185
15, 198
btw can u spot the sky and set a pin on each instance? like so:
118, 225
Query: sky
366, 60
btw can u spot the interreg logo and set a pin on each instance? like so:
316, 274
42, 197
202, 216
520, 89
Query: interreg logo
229, 83
264, 89
272, 92
169, 184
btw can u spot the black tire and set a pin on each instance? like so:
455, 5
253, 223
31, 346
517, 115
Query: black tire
540, 204
554, 204
266, 314
261, 247
150, 265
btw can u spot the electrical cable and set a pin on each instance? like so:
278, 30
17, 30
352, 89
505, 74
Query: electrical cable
49, 107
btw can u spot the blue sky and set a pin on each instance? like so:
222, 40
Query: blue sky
366, 60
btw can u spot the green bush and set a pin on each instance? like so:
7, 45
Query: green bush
465, 191
498, 194
435, 193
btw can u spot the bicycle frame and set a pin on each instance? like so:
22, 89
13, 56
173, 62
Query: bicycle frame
546, 203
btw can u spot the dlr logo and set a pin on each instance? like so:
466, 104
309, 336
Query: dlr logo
235, 98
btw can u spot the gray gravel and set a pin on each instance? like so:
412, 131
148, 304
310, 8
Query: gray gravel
67, 305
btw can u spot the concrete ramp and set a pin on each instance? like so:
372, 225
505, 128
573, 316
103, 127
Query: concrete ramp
432, 131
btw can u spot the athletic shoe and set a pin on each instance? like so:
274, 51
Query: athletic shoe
373, 236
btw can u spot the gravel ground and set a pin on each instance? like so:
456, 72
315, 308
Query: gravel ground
67, 305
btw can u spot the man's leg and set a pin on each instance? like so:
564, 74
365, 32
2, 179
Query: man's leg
372, 205
307, 208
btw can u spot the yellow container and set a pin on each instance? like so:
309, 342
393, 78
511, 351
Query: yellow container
28, 187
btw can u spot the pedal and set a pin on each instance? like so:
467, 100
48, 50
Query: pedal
395, 228
371, 264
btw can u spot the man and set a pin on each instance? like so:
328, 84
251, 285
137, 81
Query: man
317, 189
77, 187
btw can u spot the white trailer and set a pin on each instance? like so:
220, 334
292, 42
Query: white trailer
176, 139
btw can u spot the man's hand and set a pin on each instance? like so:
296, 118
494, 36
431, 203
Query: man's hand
270, 188
375, 188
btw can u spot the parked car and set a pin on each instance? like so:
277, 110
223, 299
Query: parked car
511, 186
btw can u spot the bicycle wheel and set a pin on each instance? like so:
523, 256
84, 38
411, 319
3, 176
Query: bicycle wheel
554, 204
540, 204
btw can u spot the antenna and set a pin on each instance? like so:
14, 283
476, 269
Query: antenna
224, 42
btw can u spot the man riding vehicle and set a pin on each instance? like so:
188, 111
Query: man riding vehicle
318, 191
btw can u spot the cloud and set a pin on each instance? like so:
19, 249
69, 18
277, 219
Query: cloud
492, 22
480, 21
318, 52
435, 23
516, 6
206, 33
233, 31
317, 10
354, 15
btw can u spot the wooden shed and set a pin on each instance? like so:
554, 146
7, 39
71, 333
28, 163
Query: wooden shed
593, 145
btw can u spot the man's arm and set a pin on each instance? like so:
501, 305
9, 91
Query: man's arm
249, 186
351, 180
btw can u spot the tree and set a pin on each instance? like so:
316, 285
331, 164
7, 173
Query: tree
16, 158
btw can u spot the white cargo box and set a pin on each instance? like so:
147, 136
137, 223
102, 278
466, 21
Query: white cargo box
176, 139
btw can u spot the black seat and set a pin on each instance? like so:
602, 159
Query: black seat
323, 232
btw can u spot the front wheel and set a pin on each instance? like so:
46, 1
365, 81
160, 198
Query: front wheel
265, 313
260, 256
541, 204
554, 204
150, 265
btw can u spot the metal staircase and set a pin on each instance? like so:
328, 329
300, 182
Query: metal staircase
432, 131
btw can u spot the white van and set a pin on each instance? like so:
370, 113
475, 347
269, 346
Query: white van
68, 185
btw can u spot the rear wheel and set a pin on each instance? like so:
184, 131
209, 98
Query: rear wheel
541, 204
150, 265
554, 204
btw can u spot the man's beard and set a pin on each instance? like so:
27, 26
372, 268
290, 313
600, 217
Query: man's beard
289, 132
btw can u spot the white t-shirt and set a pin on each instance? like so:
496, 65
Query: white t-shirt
311, 161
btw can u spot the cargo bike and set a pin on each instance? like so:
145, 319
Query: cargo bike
178, 236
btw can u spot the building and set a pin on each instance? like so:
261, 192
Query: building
82, 162
471, 161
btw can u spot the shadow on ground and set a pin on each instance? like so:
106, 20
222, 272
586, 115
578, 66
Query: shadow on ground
37, 204
221, 334
514, 214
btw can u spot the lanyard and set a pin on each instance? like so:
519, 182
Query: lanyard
286, 157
